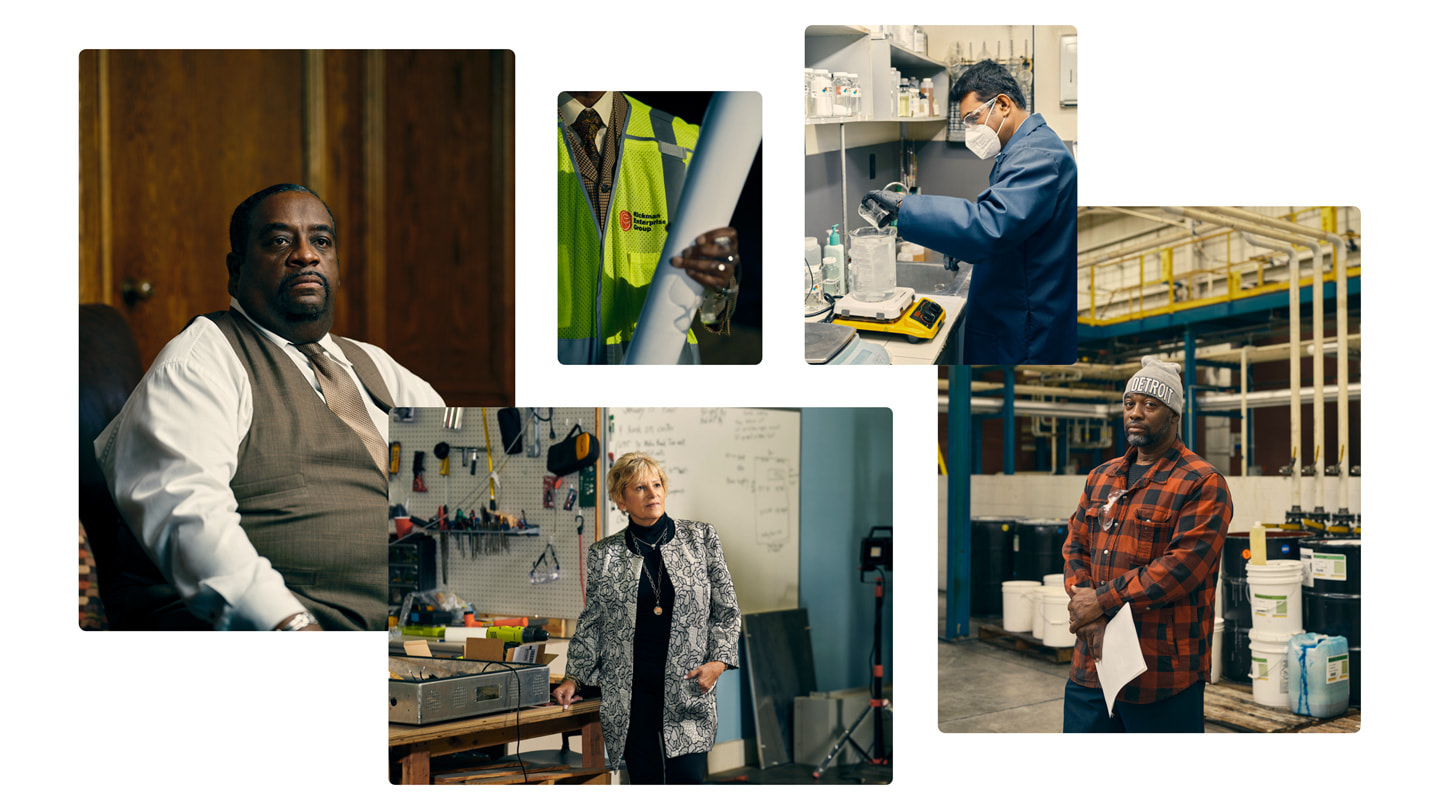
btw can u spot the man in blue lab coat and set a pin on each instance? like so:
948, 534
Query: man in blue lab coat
1019, 233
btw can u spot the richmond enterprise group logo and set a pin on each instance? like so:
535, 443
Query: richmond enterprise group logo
644, 223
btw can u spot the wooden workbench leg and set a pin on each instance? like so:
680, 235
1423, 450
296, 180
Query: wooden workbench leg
592, 745
415, 766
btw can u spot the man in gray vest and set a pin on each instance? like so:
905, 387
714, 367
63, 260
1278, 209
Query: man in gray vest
250, 462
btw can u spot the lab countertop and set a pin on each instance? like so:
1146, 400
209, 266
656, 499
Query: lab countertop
926, 352
922, 277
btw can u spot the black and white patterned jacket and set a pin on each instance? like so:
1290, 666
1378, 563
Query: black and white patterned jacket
705, 626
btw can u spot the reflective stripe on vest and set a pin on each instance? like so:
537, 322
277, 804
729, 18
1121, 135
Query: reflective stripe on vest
605, 269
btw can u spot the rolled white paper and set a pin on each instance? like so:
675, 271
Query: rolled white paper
729, 137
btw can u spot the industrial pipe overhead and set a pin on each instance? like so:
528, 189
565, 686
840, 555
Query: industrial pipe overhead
1205, 215
1146, 247
1206, 402
1341, 264
1294, 348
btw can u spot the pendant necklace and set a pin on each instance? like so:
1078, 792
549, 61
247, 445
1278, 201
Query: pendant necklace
654, 586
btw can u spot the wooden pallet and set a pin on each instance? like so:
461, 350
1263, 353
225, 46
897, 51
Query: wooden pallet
1233, 706
1347, 723
1026, 643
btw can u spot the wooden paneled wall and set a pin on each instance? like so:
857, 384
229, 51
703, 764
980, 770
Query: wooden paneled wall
412, 151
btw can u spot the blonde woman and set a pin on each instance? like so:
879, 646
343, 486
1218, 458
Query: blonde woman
660, 624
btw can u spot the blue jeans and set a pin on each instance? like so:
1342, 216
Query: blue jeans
1085, 712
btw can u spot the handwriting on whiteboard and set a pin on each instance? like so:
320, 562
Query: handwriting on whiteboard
722, 464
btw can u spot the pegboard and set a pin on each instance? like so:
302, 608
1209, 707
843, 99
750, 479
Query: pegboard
497, 579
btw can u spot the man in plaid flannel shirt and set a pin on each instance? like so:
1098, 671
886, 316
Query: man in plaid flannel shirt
1148, 531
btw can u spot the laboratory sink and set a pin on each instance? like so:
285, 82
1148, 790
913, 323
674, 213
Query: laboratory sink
931, 278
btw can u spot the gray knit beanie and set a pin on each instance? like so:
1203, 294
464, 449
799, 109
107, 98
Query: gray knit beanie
1159, 379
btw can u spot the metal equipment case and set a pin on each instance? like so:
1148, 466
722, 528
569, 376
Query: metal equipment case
432, 690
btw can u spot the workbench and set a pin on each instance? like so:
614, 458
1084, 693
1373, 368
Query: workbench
411, 747
944, 348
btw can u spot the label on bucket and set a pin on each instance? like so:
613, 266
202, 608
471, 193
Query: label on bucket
1337, 668
1267, 668
1328, 566
1274, 607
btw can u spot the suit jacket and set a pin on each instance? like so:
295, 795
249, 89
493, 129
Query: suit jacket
705, 626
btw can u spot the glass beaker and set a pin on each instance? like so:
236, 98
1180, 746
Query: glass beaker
872, 264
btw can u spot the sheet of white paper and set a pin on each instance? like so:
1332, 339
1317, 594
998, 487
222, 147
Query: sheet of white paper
1123, 659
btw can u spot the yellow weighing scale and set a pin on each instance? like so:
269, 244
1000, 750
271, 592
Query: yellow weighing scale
901, 314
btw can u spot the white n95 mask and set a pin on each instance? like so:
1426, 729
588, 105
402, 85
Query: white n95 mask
981, 139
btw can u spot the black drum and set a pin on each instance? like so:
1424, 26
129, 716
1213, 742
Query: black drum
1280, 544
1038, 548
1330, 596
992, 561
1235, 652
1234, 596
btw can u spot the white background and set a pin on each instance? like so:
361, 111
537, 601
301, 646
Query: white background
1224, 103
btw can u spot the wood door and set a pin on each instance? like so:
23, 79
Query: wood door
184, 137
411, 151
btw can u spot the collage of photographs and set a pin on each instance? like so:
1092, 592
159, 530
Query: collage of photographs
1145, 435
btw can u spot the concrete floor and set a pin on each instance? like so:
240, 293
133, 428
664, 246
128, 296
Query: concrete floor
984, 688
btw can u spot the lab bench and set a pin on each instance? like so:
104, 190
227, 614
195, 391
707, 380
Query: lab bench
925, 278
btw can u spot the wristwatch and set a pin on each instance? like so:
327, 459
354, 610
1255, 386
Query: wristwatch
299, 621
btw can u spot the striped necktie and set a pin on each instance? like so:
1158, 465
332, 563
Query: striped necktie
344, 399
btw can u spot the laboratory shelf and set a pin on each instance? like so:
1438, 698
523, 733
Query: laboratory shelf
837, 31
906, 59
820, 122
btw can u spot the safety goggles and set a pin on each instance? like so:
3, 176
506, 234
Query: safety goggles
973, 118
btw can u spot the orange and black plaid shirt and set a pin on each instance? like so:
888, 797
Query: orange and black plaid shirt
1157, 546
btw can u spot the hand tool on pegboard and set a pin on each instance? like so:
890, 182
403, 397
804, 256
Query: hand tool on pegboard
489, 460
580, 537
418, 485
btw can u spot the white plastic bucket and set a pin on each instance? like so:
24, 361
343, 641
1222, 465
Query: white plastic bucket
1037, 617
1015, 604
1056, 610
1275, 597
1216, 645
1037, 612
1269, 666
1053, 580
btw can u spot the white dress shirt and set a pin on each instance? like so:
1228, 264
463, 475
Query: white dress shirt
170, 453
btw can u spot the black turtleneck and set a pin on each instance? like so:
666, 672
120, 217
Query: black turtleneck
652, 633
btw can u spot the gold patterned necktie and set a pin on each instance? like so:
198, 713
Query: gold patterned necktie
586, 126
344, 400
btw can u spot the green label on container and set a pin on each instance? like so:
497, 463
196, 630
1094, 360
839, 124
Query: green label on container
1262, 668
1328, 566
1276, 607
1337, 668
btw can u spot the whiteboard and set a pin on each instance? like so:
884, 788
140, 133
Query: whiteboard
737, 469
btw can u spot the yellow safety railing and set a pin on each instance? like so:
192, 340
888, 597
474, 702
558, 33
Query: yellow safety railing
1130, 299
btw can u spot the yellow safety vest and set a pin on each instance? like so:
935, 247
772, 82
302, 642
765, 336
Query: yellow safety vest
606, 268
